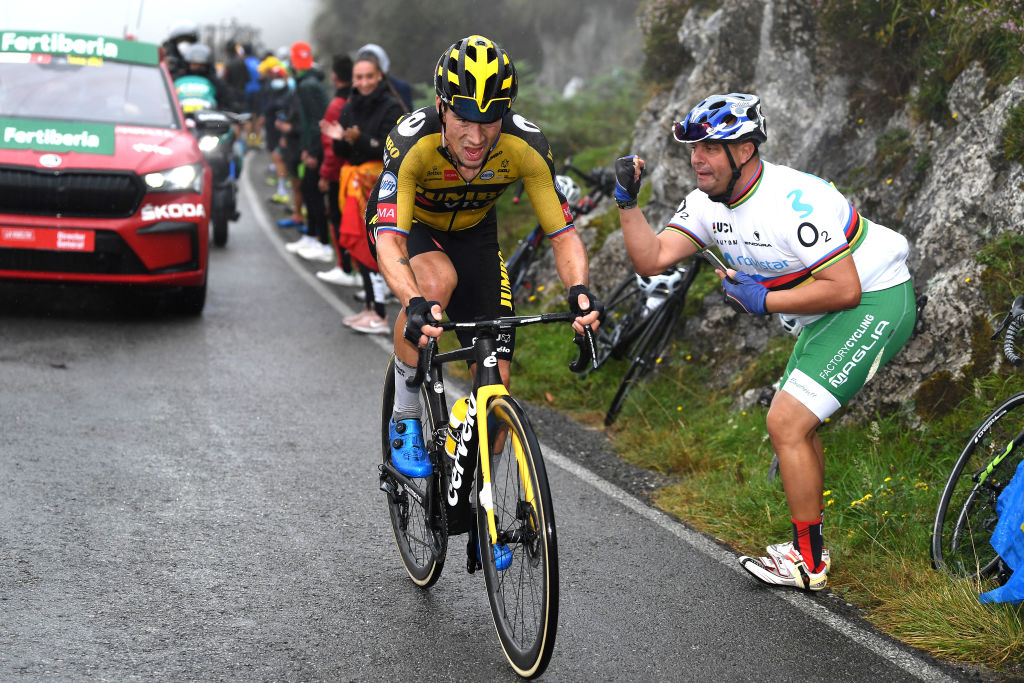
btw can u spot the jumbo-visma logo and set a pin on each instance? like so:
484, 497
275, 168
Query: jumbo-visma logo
388, 185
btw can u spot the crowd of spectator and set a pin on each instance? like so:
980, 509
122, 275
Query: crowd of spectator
325, 150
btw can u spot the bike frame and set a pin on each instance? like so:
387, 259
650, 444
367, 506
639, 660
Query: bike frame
487, 385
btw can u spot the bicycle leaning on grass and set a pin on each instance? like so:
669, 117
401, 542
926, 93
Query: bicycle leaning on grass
641, 313
514, 510
966, 516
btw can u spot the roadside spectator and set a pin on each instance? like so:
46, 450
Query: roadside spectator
275, 99
364, 123
401, 89
309, 102
236, 73
330, 174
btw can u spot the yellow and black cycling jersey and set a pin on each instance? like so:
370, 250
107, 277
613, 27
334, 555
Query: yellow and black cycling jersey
420, 184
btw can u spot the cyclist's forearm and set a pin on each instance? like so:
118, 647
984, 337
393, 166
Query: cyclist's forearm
393, 260
570, 259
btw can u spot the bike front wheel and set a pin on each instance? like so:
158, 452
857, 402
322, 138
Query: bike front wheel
414, 505
521, 572
966, 516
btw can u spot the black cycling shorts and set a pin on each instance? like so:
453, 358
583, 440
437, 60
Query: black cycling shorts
483, 290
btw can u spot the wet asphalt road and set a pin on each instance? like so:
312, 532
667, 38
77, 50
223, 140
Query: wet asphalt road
196, 499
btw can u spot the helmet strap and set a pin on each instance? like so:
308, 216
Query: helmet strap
724, 197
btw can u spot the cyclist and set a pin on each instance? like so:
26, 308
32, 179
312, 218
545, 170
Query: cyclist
795, 246
432, 224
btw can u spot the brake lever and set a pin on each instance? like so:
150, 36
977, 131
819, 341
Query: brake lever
587, 350
423, 366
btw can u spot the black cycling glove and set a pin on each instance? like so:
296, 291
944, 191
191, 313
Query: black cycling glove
417, 314
626, 186
574, 305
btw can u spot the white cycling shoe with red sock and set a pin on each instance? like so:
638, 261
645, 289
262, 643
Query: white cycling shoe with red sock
786, 569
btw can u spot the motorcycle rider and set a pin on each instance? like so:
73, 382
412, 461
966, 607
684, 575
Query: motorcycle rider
199, 76
176, 45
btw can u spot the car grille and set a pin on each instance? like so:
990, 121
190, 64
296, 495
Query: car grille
74, 194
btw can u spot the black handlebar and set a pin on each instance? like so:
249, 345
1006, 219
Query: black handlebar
586, 349
1011, 325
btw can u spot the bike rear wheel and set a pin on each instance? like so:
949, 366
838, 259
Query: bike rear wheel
523, 595
966, 516
415, 506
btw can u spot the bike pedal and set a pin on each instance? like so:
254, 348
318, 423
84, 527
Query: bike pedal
389, 488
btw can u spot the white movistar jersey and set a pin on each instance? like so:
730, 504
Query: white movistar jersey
785, 226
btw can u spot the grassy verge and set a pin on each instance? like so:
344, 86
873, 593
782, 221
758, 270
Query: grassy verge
883, 482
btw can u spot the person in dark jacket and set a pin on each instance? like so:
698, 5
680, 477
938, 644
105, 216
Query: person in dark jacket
309, 103
363, 125
330, 173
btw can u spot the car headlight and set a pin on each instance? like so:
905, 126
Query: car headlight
208, 143
181, 179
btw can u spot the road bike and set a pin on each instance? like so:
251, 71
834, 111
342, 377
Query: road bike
641, 313
602, 183
967, 516
514, 511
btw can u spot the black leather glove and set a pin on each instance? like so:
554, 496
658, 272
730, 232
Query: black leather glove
417, 314
595, 305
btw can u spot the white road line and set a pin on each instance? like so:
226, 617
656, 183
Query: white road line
912, 665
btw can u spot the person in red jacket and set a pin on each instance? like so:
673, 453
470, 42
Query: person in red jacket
330, 174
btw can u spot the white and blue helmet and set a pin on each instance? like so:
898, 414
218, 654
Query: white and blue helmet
735, 117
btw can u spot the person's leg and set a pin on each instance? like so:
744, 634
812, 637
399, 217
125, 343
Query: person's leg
316, 209
436, 278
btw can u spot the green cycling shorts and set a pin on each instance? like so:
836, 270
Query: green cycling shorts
836, 355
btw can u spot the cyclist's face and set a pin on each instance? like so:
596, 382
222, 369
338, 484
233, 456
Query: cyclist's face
365, 77
711, 164
469, 142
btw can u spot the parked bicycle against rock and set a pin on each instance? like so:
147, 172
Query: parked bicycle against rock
967, 514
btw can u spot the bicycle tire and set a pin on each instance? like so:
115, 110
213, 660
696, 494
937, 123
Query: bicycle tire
645, 355
523, 596
966, 515
420, 534
624, 317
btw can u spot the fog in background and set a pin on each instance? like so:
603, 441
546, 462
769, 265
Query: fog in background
280, 23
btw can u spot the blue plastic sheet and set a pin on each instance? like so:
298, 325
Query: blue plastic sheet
1008, 540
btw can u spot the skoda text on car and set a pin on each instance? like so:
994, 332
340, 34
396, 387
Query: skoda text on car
100, 180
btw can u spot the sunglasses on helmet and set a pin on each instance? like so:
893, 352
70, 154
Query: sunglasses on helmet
695, 132
468, 109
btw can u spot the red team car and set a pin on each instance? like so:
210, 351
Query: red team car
100, 180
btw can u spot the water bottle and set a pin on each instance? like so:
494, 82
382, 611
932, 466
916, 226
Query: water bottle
455, 422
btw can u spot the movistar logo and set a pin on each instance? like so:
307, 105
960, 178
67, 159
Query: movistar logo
58, 43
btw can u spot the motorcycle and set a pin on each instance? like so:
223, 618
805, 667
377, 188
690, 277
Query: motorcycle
215, 132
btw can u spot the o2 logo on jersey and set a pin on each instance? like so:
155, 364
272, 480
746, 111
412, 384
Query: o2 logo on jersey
388, 185
524, 124
412, 123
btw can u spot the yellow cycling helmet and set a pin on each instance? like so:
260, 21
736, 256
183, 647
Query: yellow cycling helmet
476, 79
